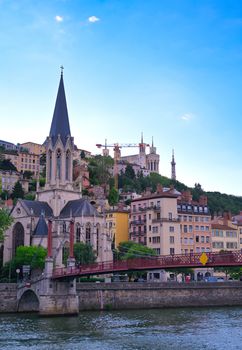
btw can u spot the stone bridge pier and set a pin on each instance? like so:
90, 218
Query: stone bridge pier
47, 296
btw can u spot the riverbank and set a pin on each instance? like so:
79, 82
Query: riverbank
120, 296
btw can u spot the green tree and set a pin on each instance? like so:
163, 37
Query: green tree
5, 164
5, 221
84, 253
113, 196
131, 250
129, 171
33, 256
100, 169
18, 191
28, 174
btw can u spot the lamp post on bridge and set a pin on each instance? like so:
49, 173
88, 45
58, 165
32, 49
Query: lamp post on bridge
71, 259
49, 261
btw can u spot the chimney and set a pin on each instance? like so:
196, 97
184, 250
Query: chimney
159, 189
203, 200
186, 197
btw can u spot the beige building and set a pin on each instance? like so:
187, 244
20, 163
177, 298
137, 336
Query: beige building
8, 179
225, 234
154, 221
33, 147
24, 161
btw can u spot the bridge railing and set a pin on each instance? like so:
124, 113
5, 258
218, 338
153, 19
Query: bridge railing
154, 262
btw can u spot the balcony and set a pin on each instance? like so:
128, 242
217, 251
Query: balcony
138, 233
166, 220
138, 222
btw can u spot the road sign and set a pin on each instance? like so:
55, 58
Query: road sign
26, 269
204, 258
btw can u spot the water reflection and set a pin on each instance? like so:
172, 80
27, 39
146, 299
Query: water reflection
210, 328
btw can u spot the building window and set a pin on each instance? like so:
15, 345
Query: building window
202, 239
172, 251
58, 164
78, 233
197, 239
172, 239
171, 229
185, 228
207, 239
158, 216
88, 234
190, 228
170, 216
68, 158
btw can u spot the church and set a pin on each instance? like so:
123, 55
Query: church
59, 201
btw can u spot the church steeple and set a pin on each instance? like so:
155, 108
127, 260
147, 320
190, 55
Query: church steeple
60, 121
173, 167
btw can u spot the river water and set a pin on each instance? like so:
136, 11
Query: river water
205, 328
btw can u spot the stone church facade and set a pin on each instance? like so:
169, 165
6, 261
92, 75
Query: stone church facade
60, 201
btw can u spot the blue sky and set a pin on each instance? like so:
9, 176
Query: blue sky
169, 68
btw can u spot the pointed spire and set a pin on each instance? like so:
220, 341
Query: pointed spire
60, 121
152, 142
142, 140
173, 166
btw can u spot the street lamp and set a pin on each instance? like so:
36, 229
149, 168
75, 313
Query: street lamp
17, 272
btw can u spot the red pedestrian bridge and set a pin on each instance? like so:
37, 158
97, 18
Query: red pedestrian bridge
167, 262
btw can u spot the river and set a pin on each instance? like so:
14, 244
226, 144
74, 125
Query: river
176, 329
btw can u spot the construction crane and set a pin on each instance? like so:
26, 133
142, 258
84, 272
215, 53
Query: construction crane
117, 154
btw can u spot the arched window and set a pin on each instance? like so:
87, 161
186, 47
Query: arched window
50, 164
88, 234
98, 238
64, 227
78, 233
65, 252
18, 236
68, 157
58, 164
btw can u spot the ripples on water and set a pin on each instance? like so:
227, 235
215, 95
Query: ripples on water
210, 328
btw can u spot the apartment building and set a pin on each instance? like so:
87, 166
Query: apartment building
154, 221
32, 147
225, 233
24, 161
195, 224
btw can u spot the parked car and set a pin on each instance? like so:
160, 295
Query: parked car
220, 279
211, 279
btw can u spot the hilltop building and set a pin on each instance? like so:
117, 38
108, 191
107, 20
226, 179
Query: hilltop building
148, 163
59, 200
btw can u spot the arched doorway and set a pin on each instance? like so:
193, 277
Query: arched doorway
18, 236
28, 302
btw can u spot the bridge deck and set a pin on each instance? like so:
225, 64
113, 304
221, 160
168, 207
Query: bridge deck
152, 263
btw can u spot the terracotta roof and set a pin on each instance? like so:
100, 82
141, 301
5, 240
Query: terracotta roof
222, 227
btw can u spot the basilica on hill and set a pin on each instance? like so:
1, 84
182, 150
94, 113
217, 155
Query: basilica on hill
59, 201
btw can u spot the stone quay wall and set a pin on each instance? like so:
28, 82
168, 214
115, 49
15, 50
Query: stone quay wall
115, 296
8, 297
118, 296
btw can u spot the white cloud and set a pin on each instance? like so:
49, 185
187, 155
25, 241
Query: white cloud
186, 117
93, 19
58, 18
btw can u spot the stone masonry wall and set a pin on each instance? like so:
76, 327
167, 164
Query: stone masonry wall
101, 296
8, 297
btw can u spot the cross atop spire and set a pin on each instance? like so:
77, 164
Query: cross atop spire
60, 121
